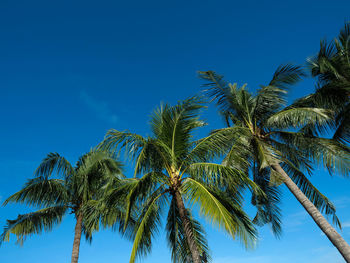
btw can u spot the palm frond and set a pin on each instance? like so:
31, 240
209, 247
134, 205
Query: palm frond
139, 190
228, 97
217, 144
177, 240
342, 132
116, 139
272, 97
221, 211
173, 125
147, 226
268, 211
41, 191
33, 223
53, 162
327, 152
286, 75
217, 174
99, 213
298, 117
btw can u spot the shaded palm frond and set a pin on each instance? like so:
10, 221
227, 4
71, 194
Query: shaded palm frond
177, 240
298, 117
331, 154
268, 211
53, 162
41, 191
33, 223
147, 225
342, 132
271, 98
228, 97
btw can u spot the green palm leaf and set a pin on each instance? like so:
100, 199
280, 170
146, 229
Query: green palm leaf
33, 223
180, 252
298, 117
147, 226
220, 212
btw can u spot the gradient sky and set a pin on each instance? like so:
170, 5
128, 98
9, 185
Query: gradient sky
71, 70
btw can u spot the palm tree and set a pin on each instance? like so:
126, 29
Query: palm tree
331, 68
68, 193
171, 170
261, 131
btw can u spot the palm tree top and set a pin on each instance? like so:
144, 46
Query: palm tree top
331, 69
59, 188
171, 163
263, 132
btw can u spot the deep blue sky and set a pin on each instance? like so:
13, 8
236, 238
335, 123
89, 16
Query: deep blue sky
71, 70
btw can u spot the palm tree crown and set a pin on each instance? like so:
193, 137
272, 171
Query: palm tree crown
263, 136
68, 193
331, 68
170, 167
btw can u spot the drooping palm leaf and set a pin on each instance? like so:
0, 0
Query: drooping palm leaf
180, 252
33, 223
220, 211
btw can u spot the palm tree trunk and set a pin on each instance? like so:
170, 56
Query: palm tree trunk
187, 227
77, 237
319, 219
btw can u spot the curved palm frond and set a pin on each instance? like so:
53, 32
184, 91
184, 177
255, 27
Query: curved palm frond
331, 68
331, 154
141, 189
228, 97
221, 211
41, 191
218, 175
103, 162
130, 141
172, 126
33, 223
268, 211
298, 117
286, 75
54, 162
271, 98
342, 132
147, 226
98, 213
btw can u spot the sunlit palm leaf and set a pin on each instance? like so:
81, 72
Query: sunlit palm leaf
225, 215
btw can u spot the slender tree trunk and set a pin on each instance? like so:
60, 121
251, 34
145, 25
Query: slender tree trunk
187, 227
319, 219
77, 237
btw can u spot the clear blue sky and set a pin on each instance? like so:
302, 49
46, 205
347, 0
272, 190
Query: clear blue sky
71, 70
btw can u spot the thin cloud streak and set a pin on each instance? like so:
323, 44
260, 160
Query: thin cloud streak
294, 221
99, 108
346, 224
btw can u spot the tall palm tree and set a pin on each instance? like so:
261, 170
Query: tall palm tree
261, 131
331, 68
171, 171
69, 192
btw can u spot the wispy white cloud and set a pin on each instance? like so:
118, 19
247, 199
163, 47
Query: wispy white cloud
326, 255
293, 221
99, 108
318, 255
260, 259
345, 224
342, 202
